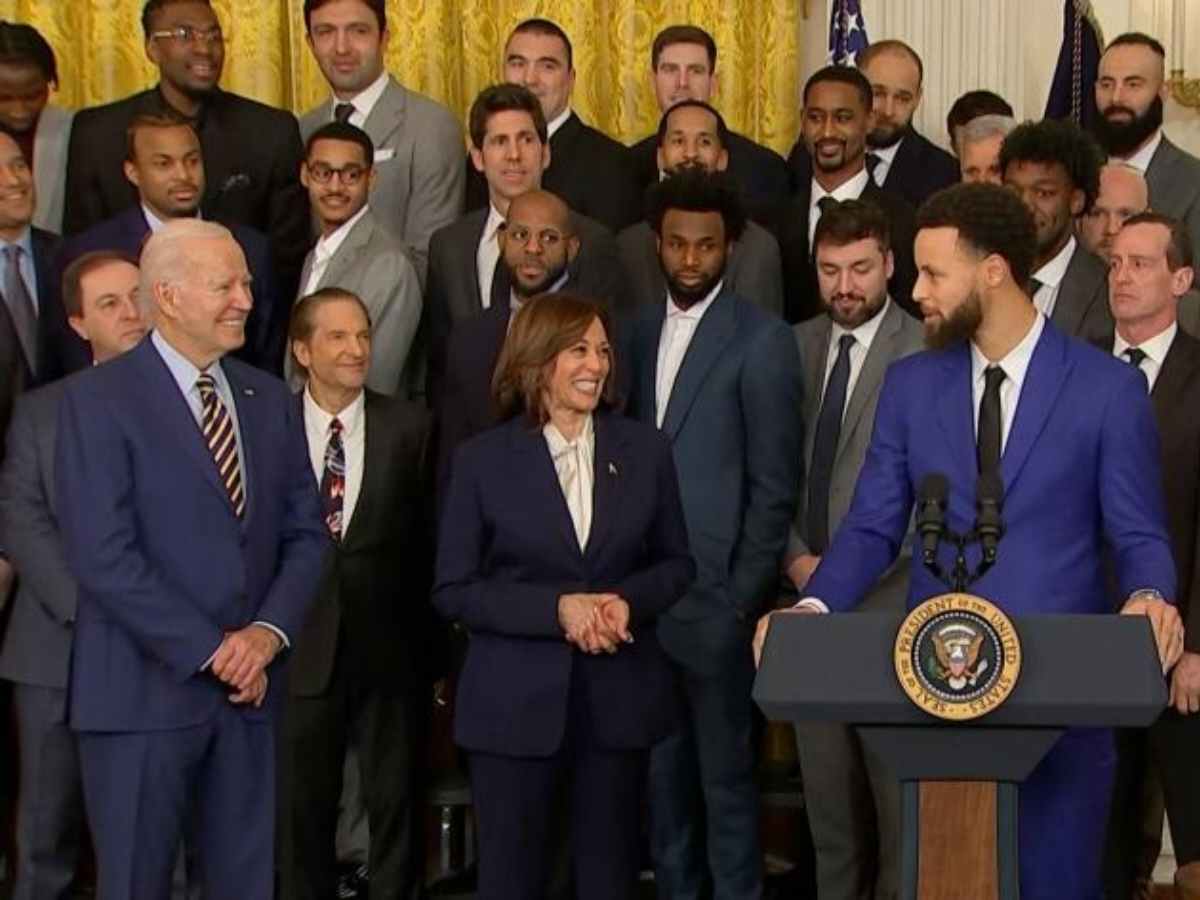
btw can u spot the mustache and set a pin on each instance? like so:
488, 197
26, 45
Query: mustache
1117, 108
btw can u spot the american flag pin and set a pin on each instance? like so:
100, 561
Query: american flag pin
612, 469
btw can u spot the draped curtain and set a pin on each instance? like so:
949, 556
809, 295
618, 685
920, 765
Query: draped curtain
450, 49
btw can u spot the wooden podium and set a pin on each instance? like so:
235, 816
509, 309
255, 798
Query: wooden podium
959, 781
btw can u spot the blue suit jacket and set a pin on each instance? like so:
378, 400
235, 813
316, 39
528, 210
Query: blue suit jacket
1081, 475
508, 550
164, 565
735, 424
127, 232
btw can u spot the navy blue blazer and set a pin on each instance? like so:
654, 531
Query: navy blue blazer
507, 550
265, 330
735, 421
1081, 471
164, 565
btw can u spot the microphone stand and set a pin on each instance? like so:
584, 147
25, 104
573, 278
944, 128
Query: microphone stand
961, 576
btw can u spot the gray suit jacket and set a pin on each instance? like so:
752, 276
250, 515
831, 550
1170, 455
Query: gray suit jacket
419, 177
899, 335
754, 270
1081, 309
375, 266
37, 646
50, 166
1174, 180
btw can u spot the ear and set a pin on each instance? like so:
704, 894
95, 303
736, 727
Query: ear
300, 352
477, 159
889, 264
1078, 200
723, 160
131, 173
658, 158
1181, 280
371, 173
716, 86
384, 37
545, 156
152, 53
304, 179
573, 246
78, 326
164, 299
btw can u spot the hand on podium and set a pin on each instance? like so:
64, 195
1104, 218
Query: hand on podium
1185, 684
1164, 622
764, 624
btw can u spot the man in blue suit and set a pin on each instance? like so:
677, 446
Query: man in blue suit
1071, 433
190, 520
722, 379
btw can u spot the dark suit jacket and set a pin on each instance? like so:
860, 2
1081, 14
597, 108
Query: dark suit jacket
1173, 177
1081, 309
163, 564
754, 269
507, 551
734, 424
759, 171
374, 593
265, 330
802, 296
36, 648
920, 168
588, 169
252, 155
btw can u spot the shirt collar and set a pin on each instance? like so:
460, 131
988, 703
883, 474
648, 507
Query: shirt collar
182, 369
350, 417
1017, 361
364, 101
1051, 274
327, 246
864, 333
696, 310
886, 154
152, 220
1155, 348
557, 122
25, 242
850, 189
1141, 159
559, 444
493, 223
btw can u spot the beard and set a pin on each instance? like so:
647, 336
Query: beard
960, 325
886, 136
1123, 138
686, 296
861, 312
527, 291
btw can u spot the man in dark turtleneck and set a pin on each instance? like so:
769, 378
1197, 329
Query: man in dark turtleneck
251, 152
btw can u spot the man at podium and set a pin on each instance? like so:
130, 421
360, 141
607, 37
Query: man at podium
1071, 433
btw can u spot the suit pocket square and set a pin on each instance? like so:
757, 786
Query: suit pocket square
235, 182
384, 153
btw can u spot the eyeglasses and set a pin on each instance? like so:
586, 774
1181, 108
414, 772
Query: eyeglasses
186, 34
546, 238
349, 175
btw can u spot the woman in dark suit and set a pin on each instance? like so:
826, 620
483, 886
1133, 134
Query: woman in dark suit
562, 539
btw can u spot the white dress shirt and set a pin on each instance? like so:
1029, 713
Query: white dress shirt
1015, 365
557, 122
847, 190
354, 441
487, 254
1141, 159
1051, 275
1155, 349
679, 326
574, 461
863, 336
326, 247
886, 156
363, 102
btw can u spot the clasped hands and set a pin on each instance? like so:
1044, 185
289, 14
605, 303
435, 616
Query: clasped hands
241, 662
595, 623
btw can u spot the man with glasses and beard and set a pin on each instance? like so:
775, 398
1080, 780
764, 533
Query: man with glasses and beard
1071, 432
1130, 92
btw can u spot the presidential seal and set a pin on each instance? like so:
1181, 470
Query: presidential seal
957, 656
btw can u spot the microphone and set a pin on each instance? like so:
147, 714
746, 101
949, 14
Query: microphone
989, 503
931, 514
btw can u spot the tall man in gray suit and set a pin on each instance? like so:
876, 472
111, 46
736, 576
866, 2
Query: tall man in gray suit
102, 304
418, 142
356, 253
1054, 167
1131, 88
852, 802
692, 133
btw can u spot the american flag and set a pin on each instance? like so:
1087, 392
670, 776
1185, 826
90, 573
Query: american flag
847, 32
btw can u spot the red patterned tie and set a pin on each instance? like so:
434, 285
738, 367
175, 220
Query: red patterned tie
333, 480
221, 438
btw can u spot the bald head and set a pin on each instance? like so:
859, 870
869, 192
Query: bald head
545, 206
538, 242
1123, 193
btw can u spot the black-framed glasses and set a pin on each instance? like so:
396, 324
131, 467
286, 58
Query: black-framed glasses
187, 34
349, 175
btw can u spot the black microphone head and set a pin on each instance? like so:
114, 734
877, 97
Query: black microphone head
990, 489
935, 488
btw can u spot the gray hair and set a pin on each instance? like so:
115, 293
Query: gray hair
983, 127
165, 258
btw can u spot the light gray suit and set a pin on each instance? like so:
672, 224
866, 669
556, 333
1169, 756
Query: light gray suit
375, 266
753, 271
419, 175
1081, 309
853, 804
1174, 180
36, 652
50, 166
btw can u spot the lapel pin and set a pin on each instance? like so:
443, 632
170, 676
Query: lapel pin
249, 392
612, 469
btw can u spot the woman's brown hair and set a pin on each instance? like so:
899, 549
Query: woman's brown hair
544, 326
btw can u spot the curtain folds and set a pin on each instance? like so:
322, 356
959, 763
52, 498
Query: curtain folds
450, 49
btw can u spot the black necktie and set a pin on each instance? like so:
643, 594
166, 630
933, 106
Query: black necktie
990, 420
825, 442
1135, 355
873, 160
20, 305
343, 111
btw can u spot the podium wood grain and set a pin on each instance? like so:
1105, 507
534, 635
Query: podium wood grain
958, 841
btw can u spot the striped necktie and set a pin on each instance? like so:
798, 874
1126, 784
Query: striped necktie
219, 435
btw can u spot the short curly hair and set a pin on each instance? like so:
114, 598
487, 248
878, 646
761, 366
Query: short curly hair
1057, 141
990, 219
692, 189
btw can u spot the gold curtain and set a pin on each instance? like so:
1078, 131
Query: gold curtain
450, 49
